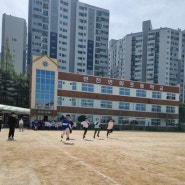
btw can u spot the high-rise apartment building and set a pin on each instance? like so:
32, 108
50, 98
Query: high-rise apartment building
153, 56
74, 33
14, 33
91, 43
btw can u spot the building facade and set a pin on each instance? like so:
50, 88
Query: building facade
14, 34
153, 56
54, 94
74, 33
91, 43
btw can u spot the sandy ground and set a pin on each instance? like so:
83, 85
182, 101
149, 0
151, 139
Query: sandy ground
126, 158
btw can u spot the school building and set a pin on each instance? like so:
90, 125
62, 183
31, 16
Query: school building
55, 94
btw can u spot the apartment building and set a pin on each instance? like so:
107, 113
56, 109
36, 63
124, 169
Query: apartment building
54, 94
91, 44
14, 34
74, 33
153, 56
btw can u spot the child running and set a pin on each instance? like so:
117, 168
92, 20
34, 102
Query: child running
66, 126
85, 125
110, 127
97, 128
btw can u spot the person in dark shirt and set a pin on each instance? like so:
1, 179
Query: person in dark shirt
12, 123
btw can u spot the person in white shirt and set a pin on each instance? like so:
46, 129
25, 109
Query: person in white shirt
21, 123
85, 125
97, 127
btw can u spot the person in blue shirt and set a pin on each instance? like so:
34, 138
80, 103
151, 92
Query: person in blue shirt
66, 126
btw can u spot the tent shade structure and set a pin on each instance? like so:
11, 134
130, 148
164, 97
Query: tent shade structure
17, 110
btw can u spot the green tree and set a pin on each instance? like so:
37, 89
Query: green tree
182, 113
21, 90
81, 118
6, 62
14, 88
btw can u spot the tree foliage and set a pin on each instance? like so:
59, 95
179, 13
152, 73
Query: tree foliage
81, 118
182, 113
14, 88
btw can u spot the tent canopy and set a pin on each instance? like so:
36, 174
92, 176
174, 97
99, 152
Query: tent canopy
17, 110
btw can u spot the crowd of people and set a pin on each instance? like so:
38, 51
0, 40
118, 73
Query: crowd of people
66, 126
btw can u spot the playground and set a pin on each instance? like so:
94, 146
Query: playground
125, 158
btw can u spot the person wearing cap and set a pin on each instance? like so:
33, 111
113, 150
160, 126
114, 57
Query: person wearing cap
66, 126
12, 123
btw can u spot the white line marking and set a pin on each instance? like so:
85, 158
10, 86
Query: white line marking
108, 179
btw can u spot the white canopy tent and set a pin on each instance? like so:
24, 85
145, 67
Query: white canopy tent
17, 110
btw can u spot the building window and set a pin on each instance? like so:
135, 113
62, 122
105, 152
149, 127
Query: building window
123, 120
170, 122
156, 95
140, 107
106, 104
106, 89
105, 119
73, 102
87, 103
155, 122
124, 105
45, 88
124, 91
87, 87
140, 121
74, 86
59, 84
59, 101
156, 108
140, 93
170, 109
170, 96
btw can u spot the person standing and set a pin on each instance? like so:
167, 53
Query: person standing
97, 128
110, 127
85, 125
12, 123
66, 126
21, 123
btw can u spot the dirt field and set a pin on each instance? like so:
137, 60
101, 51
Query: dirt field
126, 158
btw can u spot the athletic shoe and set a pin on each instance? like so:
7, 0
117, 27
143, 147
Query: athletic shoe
83, 136
67, 139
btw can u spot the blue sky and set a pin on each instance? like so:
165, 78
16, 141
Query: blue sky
126, 16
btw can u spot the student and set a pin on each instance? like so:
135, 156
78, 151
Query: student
12, 123
85, 125
97, 128
21, 125
66, 126
110, 127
